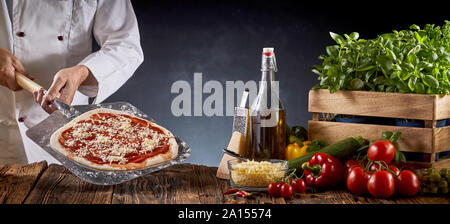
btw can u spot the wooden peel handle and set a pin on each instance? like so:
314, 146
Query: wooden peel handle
27, 84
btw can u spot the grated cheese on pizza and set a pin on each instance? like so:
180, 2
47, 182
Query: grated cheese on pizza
114, 138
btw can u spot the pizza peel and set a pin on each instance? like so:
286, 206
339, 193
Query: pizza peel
41, 133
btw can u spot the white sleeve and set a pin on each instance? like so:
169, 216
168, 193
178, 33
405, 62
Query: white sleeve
116, 31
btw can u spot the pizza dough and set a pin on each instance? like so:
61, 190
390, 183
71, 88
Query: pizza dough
109, 139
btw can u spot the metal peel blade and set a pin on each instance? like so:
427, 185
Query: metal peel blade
42, 132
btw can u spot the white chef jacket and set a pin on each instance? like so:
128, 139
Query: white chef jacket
48, 35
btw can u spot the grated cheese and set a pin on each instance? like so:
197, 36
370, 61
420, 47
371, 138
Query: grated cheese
115, 137
256, 174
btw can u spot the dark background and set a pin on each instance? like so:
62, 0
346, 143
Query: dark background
224, 39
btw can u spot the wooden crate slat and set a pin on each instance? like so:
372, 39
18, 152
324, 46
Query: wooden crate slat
443, 107
412, 140
442, 139
442, 163
377, 104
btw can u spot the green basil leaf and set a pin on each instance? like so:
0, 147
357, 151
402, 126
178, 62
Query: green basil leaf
395, 137
386, 135
431, 81
414, 27
385, 62
316, 71
420, 88
412, 83
336, 37
354, 35
356, 84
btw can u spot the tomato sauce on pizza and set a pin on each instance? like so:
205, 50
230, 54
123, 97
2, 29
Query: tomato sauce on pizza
110, 138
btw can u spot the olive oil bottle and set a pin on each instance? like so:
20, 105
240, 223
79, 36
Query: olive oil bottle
267, 114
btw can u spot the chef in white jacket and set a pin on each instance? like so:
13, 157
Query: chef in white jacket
51, 41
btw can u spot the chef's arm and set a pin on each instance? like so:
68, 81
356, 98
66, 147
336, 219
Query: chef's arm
103, 72
116, 31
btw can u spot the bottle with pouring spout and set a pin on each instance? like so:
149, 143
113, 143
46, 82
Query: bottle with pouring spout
267, 114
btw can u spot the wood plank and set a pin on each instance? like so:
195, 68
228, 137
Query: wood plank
442, 163
256, 198
442, 139
443, 107
16, 181
173, 185
333, 196
144, 190
412, 140
378, 104
57, 185
209, 185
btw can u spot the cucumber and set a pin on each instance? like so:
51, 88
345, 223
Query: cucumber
339, 150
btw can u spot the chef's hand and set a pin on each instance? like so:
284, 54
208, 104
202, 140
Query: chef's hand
65, 84
8, 65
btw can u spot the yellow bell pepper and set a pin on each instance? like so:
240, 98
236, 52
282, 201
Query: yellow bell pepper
294, 150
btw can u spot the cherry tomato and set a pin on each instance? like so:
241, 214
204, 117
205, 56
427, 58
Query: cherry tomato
375, 167
286, 190
394, 169
299, 186
381, 184
357, 180
274, 189
348, 164
407, 183
382, 150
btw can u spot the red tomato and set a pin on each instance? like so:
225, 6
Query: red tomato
381, 184
382, 150
407, 183
394, 169
299, 186
375, 167
348, 164
274, 189
286, 190
357, 180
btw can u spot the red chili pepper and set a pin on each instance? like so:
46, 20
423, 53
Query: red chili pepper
243, 194
323, 170
231, 191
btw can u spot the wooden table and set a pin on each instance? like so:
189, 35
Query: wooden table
186, 183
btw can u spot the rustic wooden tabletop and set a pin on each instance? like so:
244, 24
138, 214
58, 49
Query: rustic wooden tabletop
186, 183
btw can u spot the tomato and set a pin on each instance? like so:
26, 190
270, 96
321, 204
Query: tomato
348, 164
357, 180
382, 150
394, 169
375, 167
407, 183
381, 184
286, 190
299, 186
274, 189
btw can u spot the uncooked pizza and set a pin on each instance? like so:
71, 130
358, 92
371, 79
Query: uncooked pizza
114, 140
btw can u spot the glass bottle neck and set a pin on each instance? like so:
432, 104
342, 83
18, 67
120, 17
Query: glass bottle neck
268, 76
268, 68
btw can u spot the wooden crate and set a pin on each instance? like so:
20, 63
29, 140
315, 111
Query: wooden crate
430, 108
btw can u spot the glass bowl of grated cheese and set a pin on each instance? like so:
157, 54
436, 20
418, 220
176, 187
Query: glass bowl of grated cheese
255, 175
